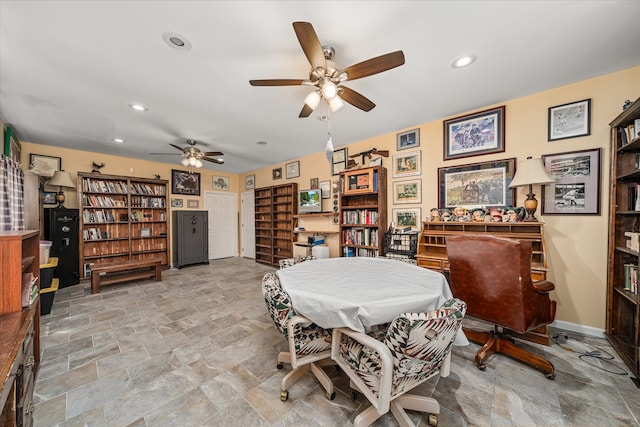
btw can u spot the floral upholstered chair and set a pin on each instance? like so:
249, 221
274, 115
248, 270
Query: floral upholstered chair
384, 367
288, 262
309, 345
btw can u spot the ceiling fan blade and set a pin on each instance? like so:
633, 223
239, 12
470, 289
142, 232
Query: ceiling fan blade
166, 154
212, 153
208, 159
310, 44
177, 147
276, 82
375, 65
306, 111
356, 99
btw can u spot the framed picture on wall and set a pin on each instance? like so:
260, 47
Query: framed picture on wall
474, 134
185, 182
570, 120
407, 192
47, 165
249, 182
409, 217
406, 164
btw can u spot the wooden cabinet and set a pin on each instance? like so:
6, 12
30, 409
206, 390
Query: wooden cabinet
122, 218
308, 225
623, 309
20, 327
275, 208
363, 211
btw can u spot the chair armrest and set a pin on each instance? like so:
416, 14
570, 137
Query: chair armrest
543, 286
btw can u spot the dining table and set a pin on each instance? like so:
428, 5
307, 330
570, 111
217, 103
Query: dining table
361, 292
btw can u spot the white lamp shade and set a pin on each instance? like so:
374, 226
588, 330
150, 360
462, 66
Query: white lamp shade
61, 179
312, 100
198, 163
185, 162
329, 90
530, 171
335, 104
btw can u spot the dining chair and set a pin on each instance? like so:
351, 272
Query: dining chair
309, 344
493, 274
385, 367
289, 262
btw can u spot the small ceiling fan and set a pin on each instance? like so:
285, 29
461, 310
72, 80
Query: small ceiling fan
327, 76
192, 156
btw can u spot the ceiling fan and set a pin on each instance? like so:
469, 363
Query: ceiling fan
192, 156
327, 76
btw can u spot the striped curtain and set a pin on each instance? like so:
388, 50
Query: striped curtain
11, 195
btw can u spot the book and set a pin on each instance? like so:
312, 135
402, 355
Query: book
623, 136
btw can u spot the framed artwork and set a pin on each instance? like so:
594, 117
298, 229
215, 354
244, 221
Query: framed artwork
477, 185
193, 204
474, 134
313, 182
185, 182
176, 203
409, 217
570, 120
292, 169
46, 164
338, 161
576, 190
406, 164
220, 182
276, 173
407, 192
49, 197
325, 186
249, 182
406, 140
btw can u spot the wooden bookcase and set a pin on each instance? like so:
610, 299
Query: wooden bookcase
623, 308
275, 208
363, 211
122, 218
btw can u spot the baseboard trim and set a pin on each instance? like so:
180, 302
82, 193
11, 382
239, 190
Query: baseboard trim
580, 329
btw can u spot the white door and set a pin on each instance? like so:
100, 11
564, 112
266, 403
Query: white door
223, 224
248, 225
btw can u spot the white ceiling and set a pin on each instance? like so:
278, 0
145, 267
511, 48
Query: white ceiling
69, 69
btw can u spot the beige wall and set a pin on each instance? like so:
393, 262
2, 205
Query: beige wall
576, 245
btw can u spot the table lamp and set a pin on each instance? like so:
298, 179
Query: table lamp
61, 179
529, 172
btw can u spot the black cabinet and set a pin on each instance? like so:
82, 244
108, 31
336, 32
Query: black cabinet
61, 228
190, 238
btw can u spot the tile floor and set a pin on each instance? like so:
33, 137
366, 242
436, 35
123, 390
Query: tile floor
199, 349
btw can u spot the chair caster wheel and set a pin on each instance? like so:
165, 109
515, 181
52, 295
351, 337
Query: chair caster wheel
353, 396
433, 420
331, 396
482, 367
279, 366
550, 375
284, 395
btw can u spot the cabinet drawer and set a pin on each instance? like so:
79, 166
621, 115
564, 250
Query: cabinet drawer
433, 264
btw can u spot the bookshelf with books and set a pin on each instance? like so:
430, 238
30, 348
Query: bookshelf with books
623, 306
275, 208
363, 211
123, 218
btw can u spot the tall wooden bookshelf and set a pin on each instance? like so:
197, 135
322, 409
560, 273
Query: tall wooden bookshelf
363, 211
122, 218
623, 307
275, 208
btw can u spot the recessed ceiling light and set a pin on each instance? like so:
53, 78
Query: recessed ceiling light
176, 41
138, 107
463, 61
261, 142
118, 140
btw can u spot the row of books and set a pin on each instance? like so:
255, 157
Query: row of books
629, 133
362, 252
90, 200
89, 217
633, 195
146, 202
120, 187
95, 233
368, 237
631, 278
360, 216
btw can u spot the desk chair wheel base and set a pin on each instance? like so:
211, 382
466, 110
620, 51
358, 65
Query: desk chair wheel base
280, 366
284, 395
433, 420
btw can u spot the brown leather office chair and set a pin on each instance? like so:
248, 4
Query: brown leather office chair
493, 276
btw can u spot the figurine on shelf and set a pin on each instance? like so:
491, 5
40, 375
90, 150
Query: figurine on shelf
513, 215
434, 215
496, 214
445, 215
477, 215
460, 214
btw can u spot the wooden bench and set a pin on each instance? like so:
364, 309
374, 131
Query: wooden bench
116, 272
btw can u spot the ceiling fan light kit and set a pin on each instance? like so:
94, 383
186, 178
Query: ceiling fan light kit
193, 157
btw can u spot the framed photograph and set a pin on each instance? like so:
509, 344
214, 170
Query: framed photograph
293, 169
313, 182
406, 164
176, 203
407, 192
476, 185
474, 134
570, 120
193, 204
49, 198
47, 164
409, 217
325, 186
339, 161
576, 190
406, 140
185, 182
249, 182
220, 182
276, 173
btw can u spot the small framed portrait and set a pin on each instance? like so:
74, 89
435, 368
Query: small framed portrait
185, 182
406, 164
339, 161
293, 169
176, 203
193, 204
474, 134
407, 192
406, 140
249, 182
409, 217
570, 120
221, 182
276, 173
325, 186
49, 198
313, 182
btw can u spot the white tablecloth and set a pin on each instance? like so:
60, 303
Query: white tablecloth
361, 292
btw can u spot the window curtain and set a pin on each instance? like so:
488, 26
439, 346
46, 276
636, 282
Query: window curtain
11, 195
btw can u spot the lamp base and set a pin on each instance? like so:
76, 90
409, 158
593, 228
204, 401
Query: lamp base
60, 199
530, 206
